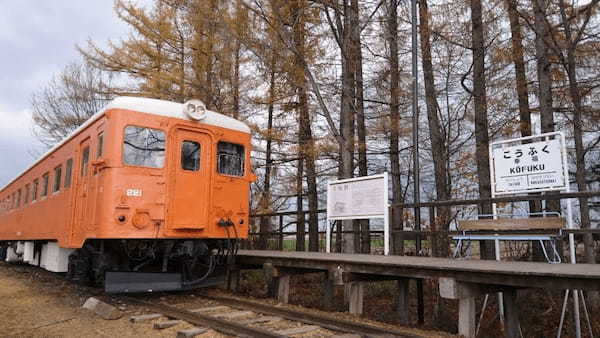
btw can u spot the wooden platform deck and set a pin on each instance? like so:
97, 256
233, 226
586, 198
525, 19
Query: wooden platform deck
458, 279
516, 274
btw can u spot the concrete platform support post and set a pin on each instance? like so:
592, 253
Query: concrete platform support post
466, 317
283, 288
333, 277
328, 289
512, 326
403, 301
233, 280
450, 288
278, 281
357, 291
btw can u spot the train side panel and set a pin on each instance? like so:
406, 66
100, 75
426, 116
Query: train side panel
109, 200
48, 215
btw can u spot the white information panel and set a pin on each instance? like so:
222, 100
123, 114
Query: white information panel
364, 197
536, 166
359, 198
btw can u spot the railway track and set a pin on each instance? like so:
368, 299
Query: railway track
252, 319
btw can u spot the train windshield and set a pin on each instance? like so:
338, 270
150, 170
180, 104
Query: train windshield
230, 159
144, 147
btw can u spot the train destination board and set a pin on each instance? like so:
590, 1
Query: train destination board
533, 166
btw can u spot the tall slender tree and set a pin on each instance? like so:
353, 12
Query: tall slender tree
480, 112
394, 129
439, 148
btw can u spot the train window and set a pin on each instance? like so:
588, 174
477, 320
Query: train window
14, 200
34, 191
68, 172
45, 180
190, 155
85, 158
100, 149
18, 198
26, 199
57, 177
144, 147
230, 159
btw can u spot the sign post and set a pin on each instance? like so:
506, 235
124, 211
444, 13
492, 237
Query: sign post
535, 163
359, 198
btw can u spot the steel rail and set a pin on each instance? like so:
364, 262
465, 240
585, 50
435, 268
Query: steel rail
309, 318
224, 326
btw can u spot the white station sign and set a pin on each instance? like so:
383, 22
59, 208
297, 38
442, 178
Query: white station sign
358, 198
536, 166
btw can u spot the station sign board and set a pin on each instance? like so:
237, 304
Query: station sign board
357, 198
528, 167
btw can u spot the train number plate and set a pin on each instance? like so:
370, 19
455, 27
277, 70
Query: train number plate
134, 192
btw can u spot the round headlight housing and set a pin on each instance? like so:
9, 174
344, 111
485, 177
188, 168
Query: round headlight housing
195, 109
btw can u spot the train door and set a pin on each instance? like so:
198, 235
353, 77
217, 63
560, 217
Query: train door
82, 191
190, 171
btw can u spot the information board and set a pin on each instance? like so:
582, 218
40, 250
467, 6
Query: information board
357, 198
536, 166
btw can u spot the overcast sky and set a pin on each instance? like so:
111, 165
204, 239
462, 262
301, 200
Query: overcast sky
37, 39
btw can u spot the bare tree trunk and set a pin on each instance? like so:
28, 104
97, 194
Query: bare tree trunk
439, 149
522, 89
481, 119
365, 231
300, 231
306, 149
574, 92
236, 80
347, 121
544, 93
520, 72
265, 222
397, 196
543, 66
311, 179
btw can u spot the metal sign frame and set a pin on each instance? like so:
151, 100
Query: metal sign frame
565, 188
384, 215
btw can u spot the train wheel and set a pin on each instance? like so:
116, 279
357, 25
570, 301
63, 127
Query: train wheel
3, 249
79, 267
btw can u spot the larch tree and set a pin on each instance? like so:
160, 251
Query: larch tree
394, 128
439, 148
480, 112
573, 24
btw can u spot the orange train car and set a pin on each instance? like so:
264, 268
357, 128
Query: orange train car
147, 195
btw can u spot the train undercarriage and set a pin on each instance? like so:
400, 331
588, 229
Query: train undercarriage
145, 265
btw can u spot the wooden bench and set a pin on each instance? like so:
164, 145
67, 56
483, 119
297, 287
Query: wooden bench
542, 229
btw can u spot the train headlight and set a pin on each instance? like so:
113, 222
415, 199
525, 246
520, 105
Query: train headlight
195, 109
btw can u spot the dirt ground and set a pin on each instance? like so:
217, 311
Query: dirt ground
38, 303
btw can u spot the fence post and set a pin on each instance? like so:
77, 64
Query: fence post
433, 240
280, 243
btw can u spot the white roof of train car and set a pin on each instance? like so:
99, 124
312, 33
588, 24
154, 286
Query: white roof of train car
148, 106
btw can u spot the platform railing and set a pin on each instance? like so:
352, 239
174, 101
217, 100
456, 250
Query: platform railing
433, 242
